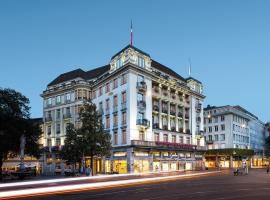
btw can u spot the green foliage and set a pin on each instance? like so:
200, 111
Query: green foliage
72, 150
15, 121
235, 152
88, 140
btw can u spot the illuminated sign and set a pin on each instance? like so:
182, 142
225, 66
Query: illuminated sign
120, 154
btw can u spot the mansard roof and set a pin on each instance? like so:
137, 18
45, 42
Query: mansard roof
167, 70
79, 73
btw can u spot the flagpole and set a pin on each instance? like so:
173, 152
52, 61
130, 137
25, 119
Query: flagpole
131, 34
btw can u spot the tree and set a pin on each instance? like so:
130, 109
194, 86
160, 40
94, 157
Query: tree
15, 122
97, 142
72, 150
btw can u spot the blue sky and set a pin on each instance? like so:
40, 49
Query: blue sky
227, 41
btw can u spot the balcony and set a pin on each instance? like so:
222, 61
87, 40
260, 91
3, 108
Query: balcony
155, 126
48, 119
67, 116
172, 112
124, 106
141, 86
167, 145
115, 109
180, 114
156, 90
141, 104
155, 108
143, 122
165, 110
165, 127
173, 129
180, 130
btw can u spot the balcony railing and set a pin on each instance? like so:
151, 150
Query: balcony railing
48, 119
173, 129
209, 141
156, 108
165, 127
124, 106
180, 130
155, 126
141, 104
115, 109
158, 144
143, 122
67, 116
141, 86
172, 112
180, 114
165, 110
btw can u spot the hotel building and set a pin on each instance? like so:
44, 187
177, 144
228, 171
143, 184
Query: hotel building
233, 127
153, 114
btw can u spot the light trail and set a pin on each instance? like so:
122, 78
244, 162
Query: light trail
24, 183
87, 186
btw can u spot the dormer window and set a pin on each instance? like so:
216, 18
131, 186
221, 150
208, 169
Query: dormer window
119, 63
141, 61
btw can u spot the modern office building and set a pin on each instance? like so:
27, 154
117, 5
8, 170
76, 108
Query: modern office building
153, 114
231, 128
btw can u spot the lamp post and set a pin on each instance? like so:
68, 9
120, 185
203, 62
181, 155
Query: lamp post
22, 147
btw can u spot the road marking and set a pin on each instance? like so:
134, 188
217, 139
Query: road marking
87, 186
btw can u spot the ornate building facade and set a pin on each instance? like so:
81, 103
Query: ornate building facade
153, 114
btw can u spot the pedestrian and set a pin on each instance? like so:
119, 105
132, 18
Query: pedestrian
267, 170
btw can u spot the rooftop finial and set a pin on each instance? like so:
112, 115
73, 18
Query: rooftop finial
189, 67
131, 36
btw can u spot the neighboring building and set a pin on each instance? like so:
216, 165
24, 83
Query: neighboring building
154, 115
233, 127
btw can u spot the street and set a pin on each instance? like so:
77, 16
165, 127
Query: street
256, 185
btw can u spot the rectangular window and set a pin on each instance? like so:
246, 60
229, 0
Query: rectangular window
58, 99
216, 137
58, 113
115, 83
141, 61
115, 101
108, 122
68, 97
222, 137
49, 142
210, 129
124, 97
124, 79
223, 127
124, 136
216, 128
115, 138
124, 118
107, 104
118, 63
57, 128
165, 138
216, 119
210, 120
181, 139
115, 120
188, 140
49, 130
157, 137
58, 142
210, 138
222, 118
49, 101
107, 87
94, 94
173, 138
141, 136
100, 91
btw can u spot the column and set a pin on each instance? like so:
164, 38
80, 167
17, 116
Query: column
231, 161
130, 160
151, 159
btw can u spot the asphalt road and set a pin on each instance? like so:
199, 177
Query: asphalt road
255, 186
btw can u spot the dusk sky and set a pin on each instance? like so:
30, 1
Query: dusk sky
228, 43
